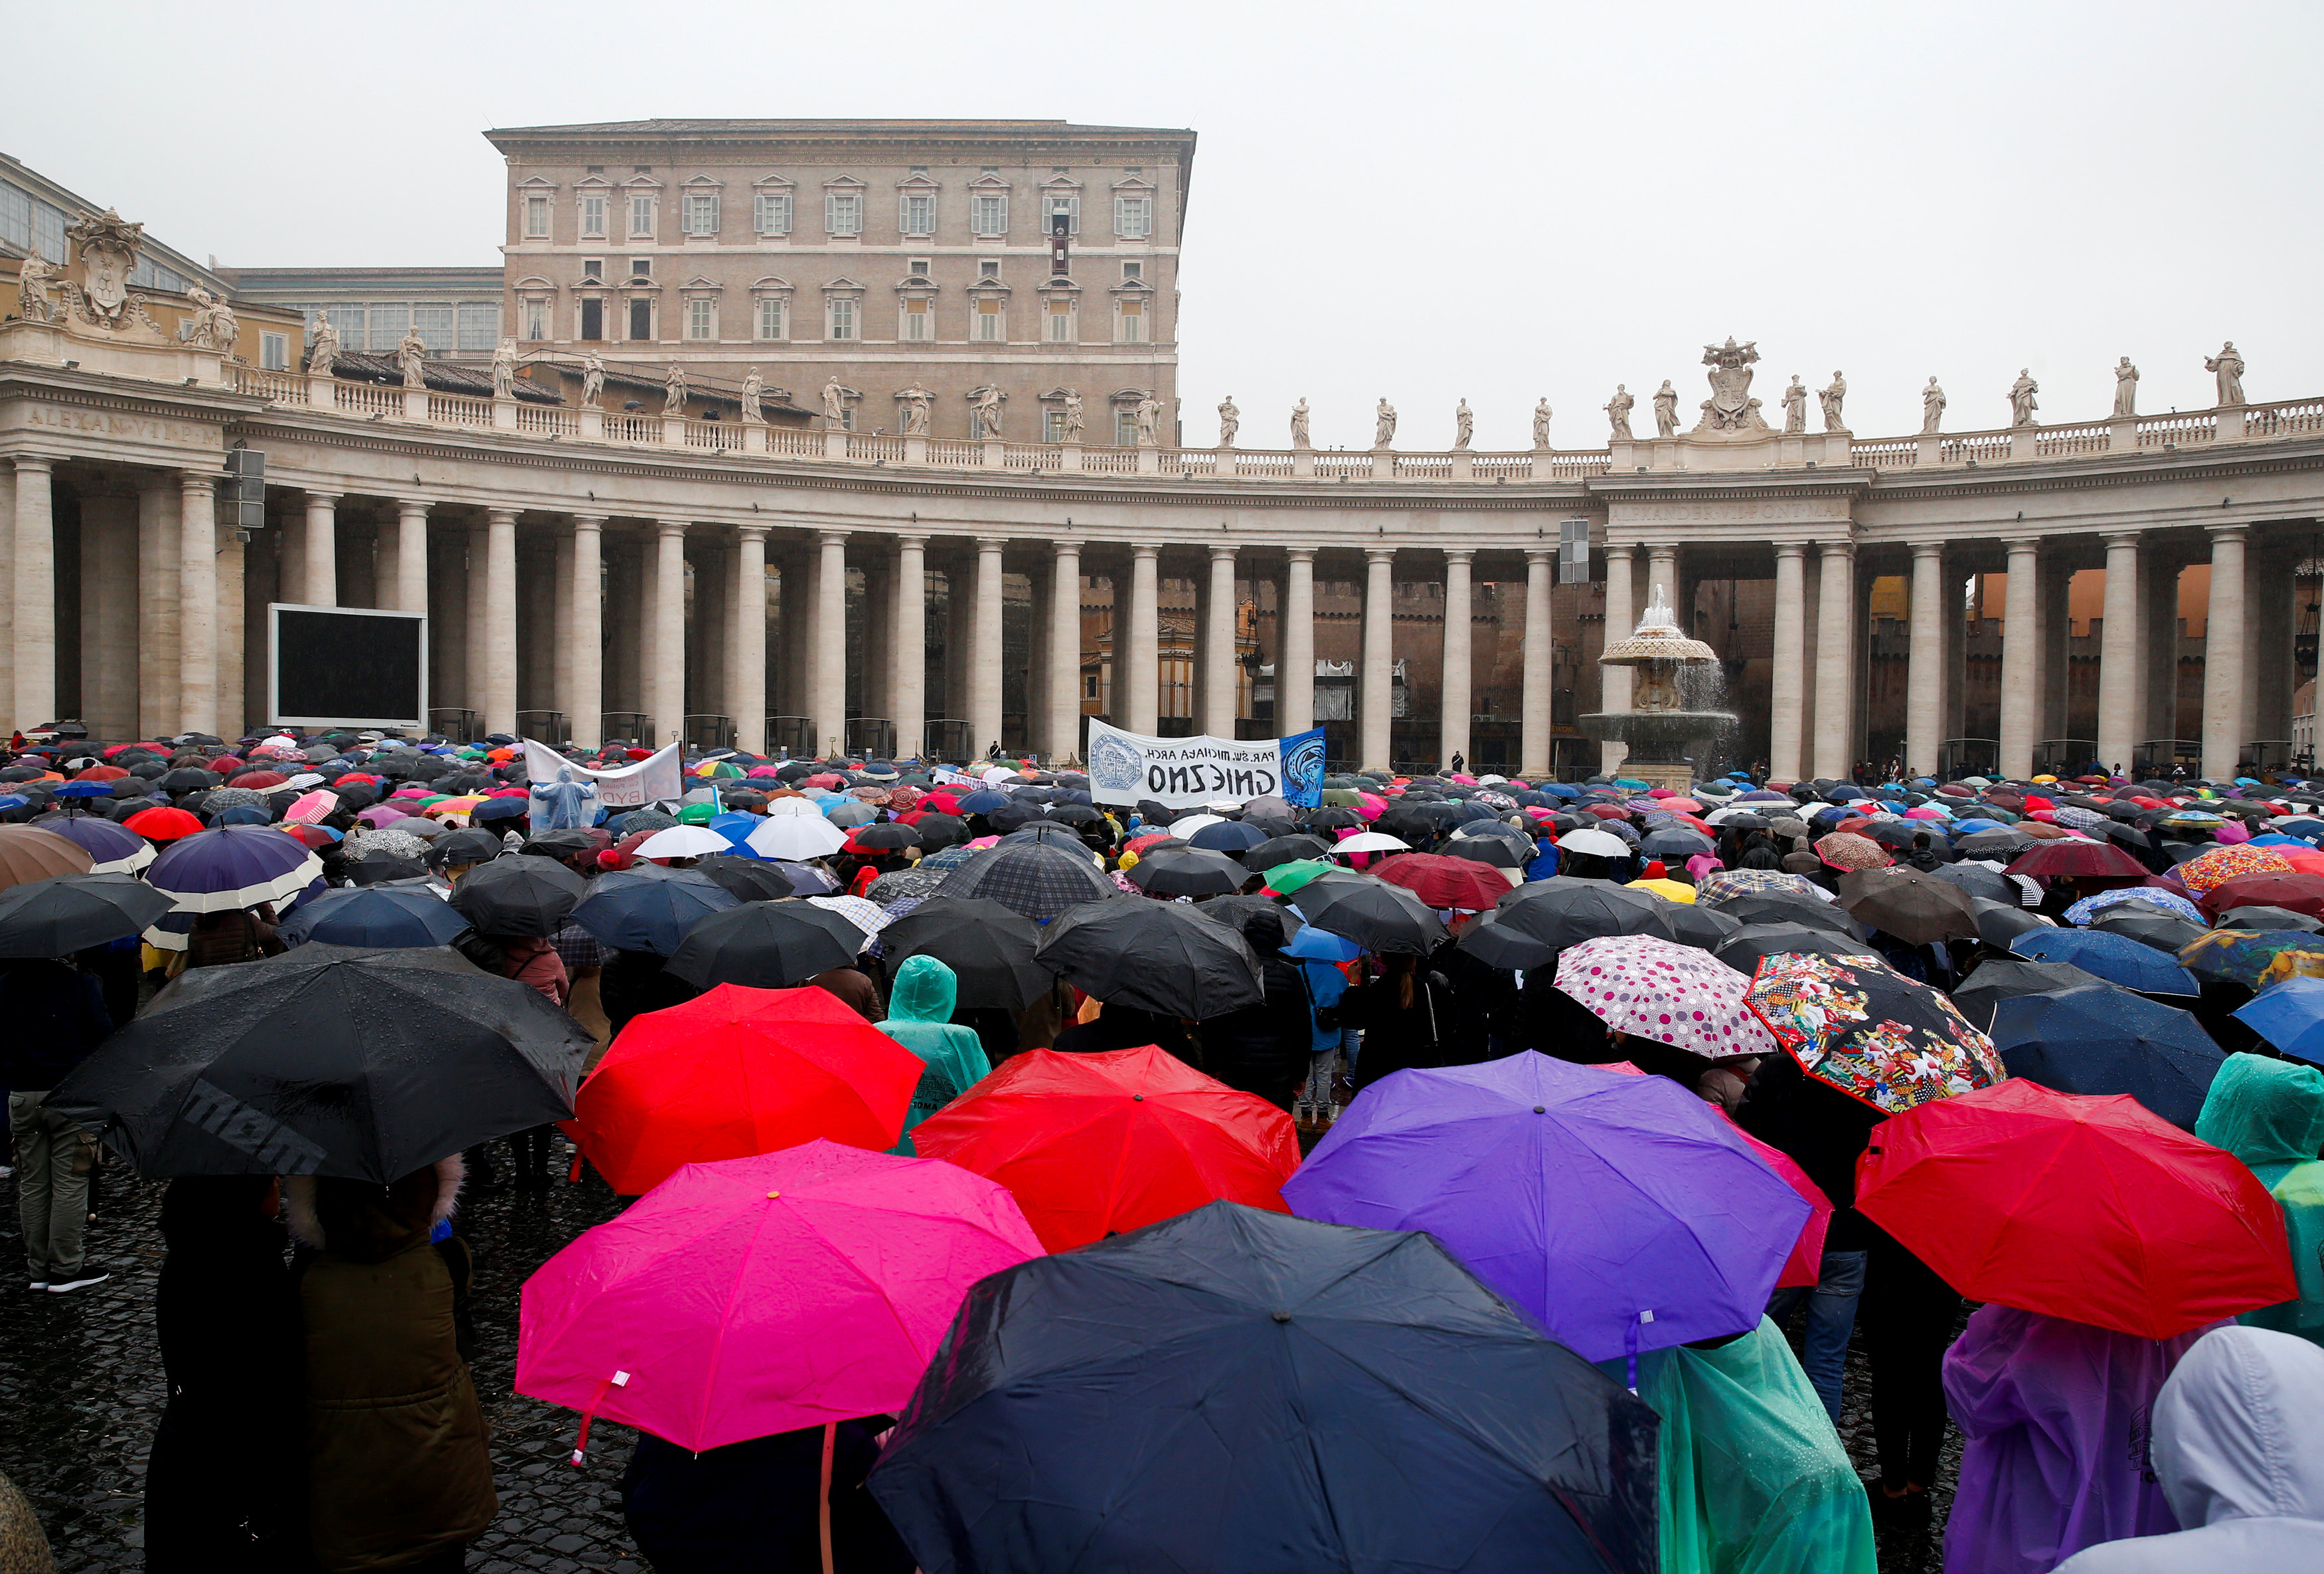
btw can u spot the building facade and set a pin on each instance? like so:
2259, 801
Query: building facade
456, 311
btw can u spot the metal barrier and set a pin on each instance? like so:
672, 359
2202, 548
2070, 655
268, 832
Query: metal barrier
2267, 754
793, 736
2156, 756
2063, 756
953, 741
454, 722
1970, 756
635, 725
871, 738
547, 725
708, 730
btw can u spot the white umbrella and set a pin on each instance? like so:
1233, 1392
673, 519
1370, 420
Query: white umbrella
1193, 822
779, 808
796, 836
1366, 842
1595, 843
683, 841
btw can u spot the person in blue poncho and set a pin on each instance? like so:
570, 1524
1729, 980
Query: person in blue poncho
920, 1003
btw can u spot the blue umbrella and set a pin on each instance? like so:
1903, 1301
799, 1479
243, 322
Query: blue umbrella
112, 848
2089, 909
1314, 944
2116, 958
983, 802
374, 916
85, 789
2290, 1016
1228, 836
2099, 1038
636, 911
232, 866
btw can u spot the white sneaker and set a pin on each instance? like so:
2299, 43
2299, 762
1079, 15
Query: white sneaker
66, 1286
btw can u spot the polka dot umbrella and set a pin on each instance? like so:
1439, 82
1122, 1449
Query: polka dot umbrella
1661, 990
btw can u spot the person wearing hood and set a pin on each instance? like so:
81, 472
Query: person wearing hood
920, 1002
2270, 1114
2239, 1451
398, 1473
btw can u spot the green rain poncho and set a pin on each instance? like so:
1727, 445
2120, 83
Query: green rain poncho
921, 999
2270, 1114
1753, 1479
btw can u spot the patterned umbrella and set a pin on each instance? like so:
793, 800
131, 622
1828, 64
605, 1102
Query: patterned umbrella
868, 916
1723, 885
394, 843
916, 883
1845, 850
233, 797
2254, 957
1659, 989
1032, 880
2220, 865
2087, 909
1870, 1032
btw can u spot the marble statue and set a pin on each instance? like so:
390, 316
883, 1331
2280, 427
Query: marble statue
592, 379
1149, 421
504, 369
1073, 415
1666, 411
107, 245
1796, 406
325, 355
1230, 422
1541, 423
563, 805
410, 358
754, 390
986, 402
917, 402
2125, 387
2229, 366
673, 393
2021, 399
1730, 407
1932, 406
1299, 423
1832, 398
835, 403
33, 286
1383, 424
1618, 411
210, 325
1464, 426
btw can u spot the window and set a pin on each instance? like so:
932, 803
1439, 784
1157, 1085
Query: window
274, 352
988, 269
843, 213
1089, 686
1125, 429
432, 321
349, 322
1133, 218
919, 268
593, 215
1061, 322
1132, 271
1133, 323
770, 319
640, 267
989, 323
700, 322
1071, 206
916, 321
480, 324
988, 213
843, 319
641, 319
770, 212
593, 270
641, 213
387, 326
592, 321
535, 219
536, 319
916, 213
1052, 425
702, 213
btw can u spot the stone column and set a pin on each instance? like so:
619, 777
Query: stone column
1787, 674
1662, 574
1295, 655
959, 606
34, 592
2118, 654
587, 631
827, 670
321, 543
108, 614
472, 695
157, 607
2057, 656
1455, 678
984, 645
747, 695
907, 647
8, 594
562, 655
1221, 688
1138, 657
1377, 677
234, 651
408, 591
1621, 617
1537, 705
1924, 684
2223, 654
665, 658
2021, 658
500, 621
1064, 650
197, 628
1835, 659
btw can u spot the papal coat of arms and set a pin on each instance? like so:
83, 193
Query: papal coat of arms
1730, 407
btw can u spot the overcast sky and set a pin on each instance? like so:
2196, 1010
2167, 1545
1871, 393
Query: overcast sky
1425, 201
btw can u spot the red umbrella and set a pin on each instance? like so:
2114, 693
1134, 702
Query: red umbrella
101, 773
163, 824
2072, 856
261, 779
736, 1072
1094, 1145
1805, 1264
2085, 1208
1445, 882
2300, 893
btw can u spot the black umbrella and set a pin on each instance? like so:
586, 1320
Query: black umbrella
1038, 881
2162, 931
1497, 850
989, 949
1187, 871
518, 896
557, 843
2004, 977
940, 830
393, 916
375, 868
650, 908
765, 945
53, 917
1781, 907
884, 837
326, 1061
749, 880
1754, 943
1044, 831
1232, 911
1563, 911
1372, 914
1334, 1398
1289, 849
2101, 1038
1700, 927
1153, 956
468, 845
2259, 917
186, 779
1493, 941
1917, 908
2000, 923
1980, 881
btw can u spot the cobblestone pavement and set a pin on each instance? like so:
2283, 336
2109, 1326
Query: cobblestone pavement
81, 1390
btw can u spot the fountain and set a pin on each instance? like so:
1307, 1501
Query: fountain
1661, 731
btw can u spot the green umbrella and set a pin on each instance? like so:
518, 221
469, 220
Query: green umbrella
1286, 877
1343, 798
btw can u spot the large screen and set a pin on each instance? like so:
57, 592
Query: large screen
347, 667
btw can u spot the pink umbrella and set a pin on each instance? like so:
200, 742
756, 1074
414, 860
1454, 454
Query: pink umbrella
1670, 993
1370, 806
380, 815
758, 1296
309, 808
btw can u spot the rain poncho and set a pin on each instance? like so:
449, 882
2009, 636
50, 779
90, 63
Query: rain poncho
2270, 1114
2239, 1445
1753, 1479
921, 1001
2056, 1414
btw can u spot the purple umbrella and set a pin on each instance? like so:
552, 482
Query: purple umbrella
1618, 1211
232, 866
112, 848
381, 816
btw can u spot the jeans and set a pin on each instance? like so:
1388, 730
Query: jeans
53, 1161
1831, 1318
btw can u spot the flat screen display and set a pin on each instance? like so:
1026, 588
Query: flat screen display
347, 667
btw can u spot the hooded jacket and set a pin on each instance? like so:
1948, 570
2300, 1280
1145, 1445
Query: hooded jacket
2239, 1447
2270, 1114
920, 1002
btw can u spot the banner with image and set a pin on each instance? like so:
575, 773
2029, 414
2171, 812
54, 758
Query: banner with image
1186, 773
657, 778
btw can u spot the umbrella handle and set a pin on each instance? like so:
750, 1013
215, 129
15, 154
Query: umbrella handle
823, 1497
581, 1442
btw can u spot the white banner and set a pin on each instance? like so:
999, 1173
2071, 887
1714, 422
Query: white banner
655, 778
1181, 773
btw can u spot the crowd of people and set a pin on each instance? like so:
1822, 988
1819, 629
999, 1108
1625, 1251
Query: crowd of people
1828, 970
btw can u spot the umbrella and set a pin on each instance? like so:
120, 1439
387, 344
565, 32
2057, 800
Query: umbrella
1661, 990
1370, 841
866, 916
1494, 941
1724, 885
1332, 1398
1982, 882
1281, 850
1094, 1145
2300, 893
989, 949
2090, 908
766, 945
1917, 908
1867, 1030
2092, 1208
2253, 960
233, 866
326, 1061
2289, 1013
2160, 930
884, 838
761, 1294
2073, 857
1288, 879
2216, 865
389, 917
2000, 923
1441, 881
1754, 943
68, 912
1187, 871
736, 1072
640, 911
1563, 911
1037, 881
683, 841
752, 879
1375, 915
2116, 958
1775, 907
518, 896
1229, 836
1594, 843
111, 848
1154, 956
795, 836
2100, 1038
2004, 977
2276, 918
28, 853
458, 847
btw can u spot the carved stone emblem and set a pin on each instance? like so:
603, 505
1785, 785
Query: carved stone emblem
1730, 407
107, 246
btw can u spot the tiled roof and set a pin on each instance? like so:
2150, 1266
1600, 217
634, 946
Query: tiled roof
470, 377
